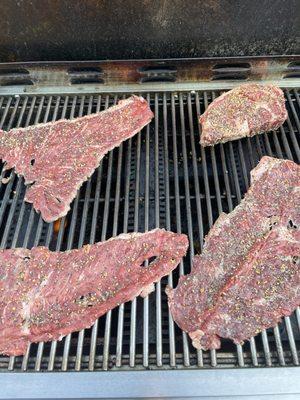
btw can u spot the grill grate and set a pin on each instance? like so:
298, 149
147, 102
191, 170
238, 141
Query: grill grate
159, 178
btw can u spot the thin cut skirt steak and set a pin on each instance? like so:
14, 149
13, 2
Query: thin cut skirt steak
265, 288
243, 111
237, 244
57, 157
46, 295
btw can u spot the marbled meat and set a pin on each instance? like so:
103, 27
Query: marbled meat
46, 295
57, 157
247, 110
271, 204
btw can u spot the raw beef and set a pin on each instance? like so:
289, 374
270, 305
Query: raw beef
244, 111
46, 295
57, 157
265, 288
273, 200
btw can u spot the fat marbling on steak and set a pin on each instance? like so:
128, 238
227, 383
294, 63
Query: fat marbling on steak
243, 111
57, 157
46, 295
272, 202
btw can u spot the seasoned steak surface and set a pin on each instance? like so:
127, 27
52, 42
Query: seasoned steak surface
243, 111
46, 295
57, 157
265, 288
272, 202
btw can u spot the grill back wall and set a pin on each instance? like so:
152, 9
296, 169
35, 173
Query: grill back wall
53, 30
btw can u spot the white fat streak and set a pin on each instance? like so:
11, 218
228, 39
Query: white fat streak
260, 302
26, 305
147, 290
126, 236
226, 318
26, 316
242, 127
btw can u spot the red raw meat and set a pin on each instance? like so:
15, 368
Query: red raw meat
57, 157
265, 288
273, 200
243, 111
46, 295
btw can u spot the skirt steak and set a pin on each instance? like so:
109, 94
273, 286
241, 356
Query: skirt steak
46, 295
271, 204
57, 157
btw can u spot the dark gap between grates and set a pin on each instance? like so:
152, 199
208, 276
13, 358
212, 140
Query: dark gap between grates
186, 188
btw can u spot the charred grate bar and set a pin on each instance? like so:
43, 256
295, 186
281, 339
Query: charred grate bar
161, 177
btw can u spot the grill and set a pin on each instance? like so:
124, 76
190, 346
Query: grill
160, 178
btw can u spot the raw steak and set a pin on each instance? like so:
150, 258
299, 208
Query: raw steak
244, 111
273, 200
265, 288
57, 157
46, 295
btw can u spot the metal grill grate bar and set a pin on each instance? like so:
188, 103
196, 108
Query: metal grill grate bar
81, 242
186, 361
146, 222
132, 348
172, 348
58, 248
70, 240
120, 329
198, 199
157, 224
107, 203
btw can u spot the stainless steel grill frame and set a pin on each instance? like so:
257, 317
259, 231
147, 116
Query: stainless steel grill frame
159, 178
